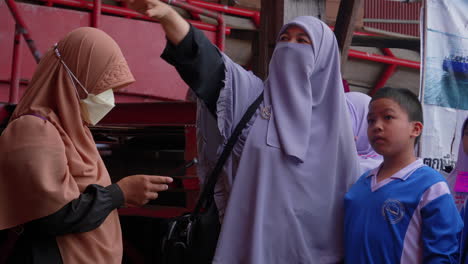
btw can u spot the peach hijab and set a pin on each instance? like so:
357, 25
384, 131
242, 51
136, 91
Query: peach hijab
45, 164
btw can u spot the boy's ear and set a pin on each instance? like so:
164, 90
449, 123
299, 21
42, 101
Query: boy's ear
417, 129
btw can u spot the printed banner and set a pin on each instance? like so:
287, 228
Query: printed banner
444, 80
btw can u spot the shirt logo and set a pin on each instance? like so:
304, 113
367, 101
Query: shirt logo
393, 211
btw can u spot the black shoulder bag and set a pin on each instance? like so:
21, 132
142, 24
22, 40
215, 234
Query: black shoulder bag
192, 237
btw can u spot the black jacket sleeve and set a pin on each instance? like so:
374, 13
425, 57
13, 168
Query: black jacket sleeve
200, 65
83, 214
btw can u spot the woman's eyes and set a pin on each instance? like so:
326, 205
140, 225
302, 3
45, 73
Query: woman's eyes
284, 38
388, 117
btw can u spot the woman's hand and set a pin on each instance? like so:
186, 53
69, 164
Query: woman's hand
151, 8
175, 27
139, 189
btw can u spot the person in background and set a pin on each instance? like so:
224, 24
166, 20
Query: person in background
281, 192
358, 106
460, 194
457, 181
402, 211
54, 188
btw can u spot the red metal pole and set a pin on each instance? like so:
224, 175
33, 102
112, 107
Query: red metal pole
96, 13
388, 52
224, 8
220, 38
254, 15
256, 19
24, 29
384, 59
15, 67
386, 74
194, 15
125, 12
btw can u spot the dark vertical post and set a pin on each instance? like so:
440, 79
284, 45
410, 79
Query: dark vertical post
15, 67
344, 27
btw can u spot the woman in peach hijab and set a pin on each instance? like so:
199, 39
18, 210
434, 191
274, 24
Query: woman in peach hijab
54, 187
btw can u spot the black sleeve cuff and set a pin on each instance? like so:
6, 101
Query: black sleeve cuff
182, 52
116, 194
200, 64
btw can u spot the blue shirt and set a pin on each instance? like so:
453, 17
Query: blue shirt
408, 218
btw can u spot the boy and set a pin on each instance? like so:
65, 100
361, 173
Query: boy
402, 211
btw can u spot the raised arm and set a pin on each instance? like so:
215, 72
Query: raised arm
174, 25
196, 59
203, 67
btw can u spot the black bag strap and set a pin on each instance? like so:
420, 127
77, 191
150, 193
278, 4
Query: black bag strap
210, 183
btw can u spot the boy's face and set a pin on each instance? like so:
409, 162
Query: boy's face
389, 130
465, 139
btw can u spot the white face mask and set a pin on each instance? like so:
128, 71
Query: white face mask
93, 107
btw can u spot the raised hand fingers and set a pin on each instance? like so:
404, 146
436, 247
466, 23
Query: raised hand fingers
155, 196
158, 187
160, 179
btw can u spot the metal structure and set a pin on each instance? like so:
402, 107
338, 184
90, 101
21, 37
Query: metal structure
100, 16
254, 15
194, 6
398, 17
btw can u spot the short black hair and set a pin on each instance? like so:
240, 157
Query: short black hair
407, 100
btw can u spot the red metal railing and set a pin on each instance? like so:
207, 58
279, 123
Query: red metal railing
95, 18
15, 67
220, 38
20, 30
254, 15
97, 8
386, 74
124, 12
389, 59
392, 61
23, 29
193, 6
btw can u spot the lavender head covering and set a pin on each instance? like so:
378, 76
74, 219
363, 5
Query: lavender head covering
300, 78
298, 159
460, 166
358, 106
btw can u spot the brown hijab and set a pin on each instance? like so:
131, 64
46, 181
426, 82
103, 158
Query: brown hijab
46, 164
